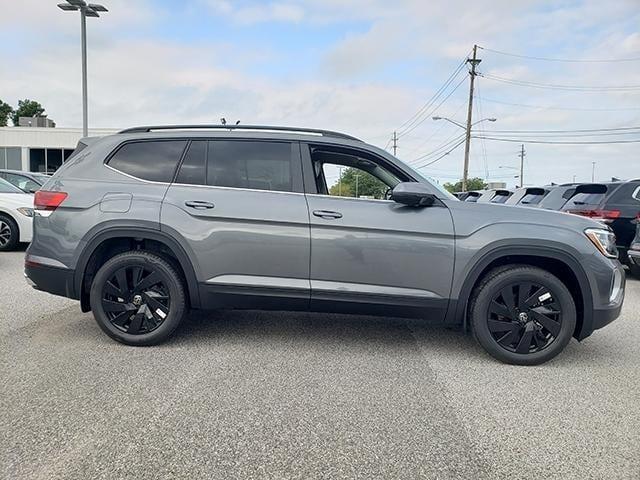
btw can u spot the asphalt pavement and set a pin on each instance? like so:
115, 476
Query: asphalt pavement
287, 395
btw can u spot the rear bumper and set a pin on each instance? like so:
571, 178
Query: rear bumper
55, 280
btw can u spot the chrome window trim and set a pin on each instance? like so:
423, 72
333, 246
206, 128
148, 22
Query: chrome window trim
350, 198
636, 193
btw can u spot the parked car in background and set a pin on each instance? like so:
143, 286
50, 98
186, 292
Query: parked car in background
28, 182
616, 204
495, 195
16, 216
634, 251
557, 196
145, 224
470, 197
528, 196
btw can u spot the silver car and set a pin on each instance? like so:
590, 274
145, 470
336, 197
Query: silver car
146, 224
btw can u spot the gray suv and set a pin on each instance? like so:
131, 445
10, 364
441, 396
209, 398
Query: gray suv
143, 225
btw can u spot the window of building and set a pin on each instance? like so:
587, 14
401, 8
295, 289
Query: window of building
155, 161
11, 158
37, 162
257, 165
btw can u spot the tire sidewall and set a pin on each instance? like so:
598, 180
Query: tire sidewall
15, 233
480, 315
169, 277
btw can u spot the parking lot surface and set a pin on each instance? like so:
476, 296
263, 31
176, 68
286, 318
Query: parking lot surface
290, 395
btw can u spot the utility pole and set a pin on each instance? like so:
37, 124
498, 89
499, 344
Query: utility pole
474, 61
395, 143
593, 172
521, 155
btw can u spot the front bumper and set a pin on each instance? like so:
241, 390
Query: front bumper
55, 280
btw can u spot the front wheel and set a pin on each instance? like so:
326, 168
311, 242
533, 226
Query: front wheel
9, 234
138, 298
522, 315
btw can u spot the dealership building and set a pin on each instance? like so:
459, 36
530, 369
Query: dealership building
40, 149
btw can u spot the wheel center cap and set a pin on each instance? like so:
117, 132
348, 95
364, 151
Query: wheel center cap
523, 317
137, 300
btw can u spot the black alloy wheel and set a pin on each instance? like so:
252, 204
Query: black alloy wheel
136, 299
524, 317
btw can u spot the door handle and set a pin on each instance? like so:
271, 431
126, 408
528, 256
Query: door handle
327, 214
199, 204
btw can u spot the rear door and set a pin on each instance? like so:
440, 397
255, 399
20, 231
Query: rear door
370, 254
240, 207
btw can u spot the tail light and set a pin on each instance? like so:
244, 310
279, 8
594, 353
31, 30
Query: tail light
606, 216
45, 201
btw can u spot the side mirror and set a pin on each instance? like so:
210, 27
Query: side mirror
413, 194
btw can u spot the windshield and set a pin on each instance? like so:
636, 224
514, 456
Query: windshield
6, 187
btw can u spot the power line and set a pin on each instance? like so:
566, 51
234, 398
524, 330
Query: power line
462, 141
567, 60
606, 129
435, 96
415, 125
437, 130
551, 86
437, 150
520, 140
561, 108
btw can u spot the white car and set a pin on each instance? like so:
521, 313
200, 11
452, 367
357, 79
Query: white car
16, 216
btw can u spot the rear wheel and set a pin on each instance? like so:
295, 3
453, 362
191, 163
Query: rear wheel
522, 315
138, 298
9, 233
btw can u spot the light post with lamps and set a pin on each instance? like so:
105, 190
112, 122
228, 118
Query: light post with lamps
465, 170
86, 10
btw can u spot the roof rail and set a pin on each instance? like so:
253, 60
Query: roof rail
324, 133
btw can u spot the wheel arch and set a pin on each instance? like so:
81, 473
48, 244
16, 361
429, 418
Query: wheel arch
553, 259
137, 237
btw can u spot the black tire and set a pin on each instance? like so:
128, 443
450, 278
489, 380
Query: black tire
147, 308
531, 328
9, 233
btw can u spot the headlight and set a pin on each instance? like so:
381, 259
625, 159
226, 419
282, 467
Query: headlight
604, 240
26, 211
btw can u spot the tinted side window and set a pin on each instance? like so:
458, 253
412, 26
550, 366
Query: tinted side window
155, 161
192, 170
625, 194
250, 164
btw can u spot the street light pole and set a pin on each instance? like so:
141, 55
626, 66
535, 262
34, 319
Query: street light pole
85, 102
86, 10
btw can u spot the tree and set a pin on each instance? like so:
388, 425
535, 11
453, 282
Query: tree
475, 183
5, 112
355, 182
27, 108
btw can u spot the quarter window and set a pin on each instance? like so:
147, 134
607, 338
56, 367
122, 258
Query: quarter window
155, 161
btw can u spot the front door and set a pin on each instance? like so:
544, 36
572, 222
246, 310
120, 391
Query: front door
368, 253
239, 206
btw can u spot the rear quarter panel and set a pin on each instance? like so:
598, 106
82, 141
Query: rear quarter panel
64, 234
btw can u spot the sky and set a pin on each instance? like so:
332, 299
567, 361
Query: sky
364, 67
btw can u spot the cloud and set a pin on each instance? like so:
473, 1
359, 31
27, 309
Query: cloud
363, 67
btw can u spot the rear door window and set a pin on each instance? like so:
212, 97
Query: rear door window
258, 165
155, 160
